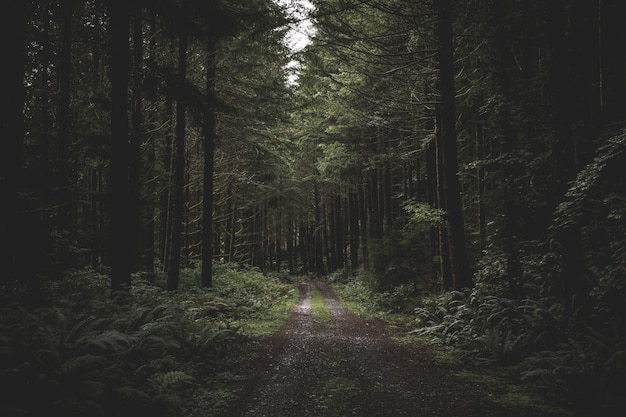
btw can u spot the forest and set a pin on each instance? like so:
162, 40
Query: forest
170, 168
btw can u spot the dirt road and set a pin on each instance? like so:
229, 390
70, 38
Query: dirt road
348, 366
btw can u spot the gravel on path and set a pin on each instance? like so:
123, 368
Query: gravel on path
350, 366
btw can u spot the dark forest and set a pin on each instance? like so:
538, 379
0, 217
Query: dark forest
171, 169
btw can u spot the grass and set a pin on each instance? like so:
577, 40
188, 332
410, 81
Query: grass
498, 379
319, 311
170, 353
271, 319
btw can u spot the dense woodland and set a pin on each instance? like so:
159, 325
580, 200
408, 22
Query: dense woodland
469, 150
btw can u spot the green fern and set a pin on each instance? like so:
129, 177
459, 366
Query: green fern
81, 364
109, 341
171, 379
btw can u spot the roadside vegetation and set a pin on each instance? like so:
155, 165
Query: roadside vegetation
148, 352
517, 345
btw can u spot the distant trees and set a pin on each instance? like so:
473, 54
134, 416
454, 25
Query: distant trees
422, 139
119, 187
385, 87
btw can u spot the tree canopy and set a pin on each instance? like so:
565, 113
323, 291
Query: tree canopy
470, 145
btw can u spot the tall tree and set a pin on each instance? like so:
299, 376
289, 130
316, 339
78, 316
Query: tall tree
134, 161
121, 217
461, 274
13, 31
178, 201
209, 167
64, 194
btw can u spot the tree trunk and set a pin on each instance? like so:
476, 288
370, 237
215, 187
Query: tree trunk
461, 274
290, 242
354, 228
121, 220
165, 200
64, 190
510, 168
363, 221
173, 275
445, 265
613, 65
209, 168
564, 159
136, 244
340, 232
433, 200
317, 233
13, 31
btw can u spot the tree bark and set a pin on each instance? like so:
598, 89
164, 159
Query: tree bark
121, 220
458, 252
13, 31
173, 275
504, 62
64, 192
613, 65
206, 276
136, 244
445, 264
354, 229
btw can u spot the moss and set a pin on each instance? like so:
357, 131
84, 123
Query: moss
319, 311
266, 324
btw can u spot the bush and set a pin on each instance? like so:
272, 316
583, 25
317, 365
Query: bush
88, 352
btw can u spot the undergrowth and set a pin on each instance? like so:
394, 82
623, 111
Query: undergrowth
87, 352
576, 362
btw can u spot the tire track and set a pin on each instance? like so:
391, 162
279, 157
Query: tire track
353, 367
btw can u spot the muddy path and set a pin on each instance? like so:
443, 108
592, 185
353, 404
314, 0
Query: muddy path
347, 366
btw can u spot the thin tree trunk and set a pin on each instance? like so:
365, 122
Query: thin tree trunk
340, 231
387, 184
206, 277
136, 244
317, 234
173, 275
229, 237
613, 62
149, 209
363, 220
165, 215
290, 242
433, 199
354, 229
445, 266
480, 176
64, 194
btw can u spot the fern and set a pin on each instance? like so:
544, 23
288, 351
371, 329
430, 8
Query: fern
172, 379
81, 364
110, 341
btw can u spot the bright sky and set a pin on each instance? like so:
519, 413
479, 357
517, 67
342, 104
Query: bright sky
299, 33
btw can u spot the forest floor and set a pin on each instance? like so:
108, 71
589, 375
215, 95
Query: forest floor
326, 361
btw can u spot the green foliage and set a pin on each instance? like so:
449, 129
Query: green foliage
403, 255
319, 311
144, 353
359, 293
590, 186
338, 162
